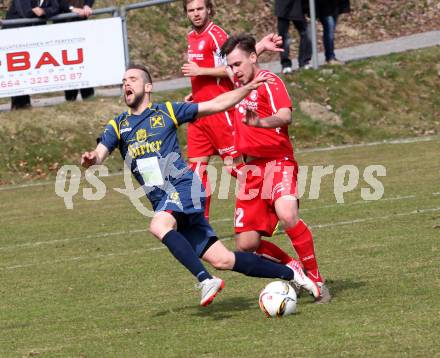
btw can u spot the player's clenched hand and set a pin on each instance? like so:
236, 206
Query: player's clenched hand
272, 42
251, 118
191, 69
188, 98
88, 159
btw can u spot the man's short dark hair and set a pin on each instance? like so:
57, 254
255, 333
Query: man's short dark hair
244, 42
135, 66
208, 3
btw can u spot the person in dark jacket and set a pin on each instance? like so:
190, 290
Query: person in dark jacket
22, 9
327, 12
84, 9
288, 11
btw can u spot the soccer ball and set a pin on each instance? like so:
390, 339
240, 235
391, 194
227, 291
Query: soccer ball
278, 299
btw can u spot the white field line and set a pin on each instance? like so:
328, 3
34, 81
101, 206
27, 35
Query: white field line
92, 236
103, 235
162, 247
361, 145
386, 217
15, 214
310, 150
359, 202
24, 186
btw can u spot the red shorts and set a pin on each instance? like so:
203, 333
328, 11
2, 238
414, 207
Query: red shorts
262, 183
212, 135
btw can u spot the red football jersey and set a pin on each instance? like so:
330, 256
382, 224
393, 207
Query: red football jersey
204, 50
266, 101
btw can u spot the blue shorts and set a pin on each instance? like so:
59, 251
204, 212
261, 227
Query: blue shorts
196, 230
181, 197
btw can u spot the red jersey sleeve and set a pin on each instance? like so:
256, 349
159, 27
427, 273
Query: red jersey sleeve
276, 94
218, 37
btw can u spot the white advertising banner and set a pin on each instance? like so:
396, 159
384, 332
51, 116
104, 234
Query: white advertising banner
63, 56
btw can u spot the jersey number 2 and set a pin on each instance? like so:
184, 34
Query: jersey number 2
239, 213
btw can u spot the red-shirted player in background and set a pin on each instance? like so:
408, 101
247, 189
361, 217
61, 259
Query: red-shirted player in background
207, 69
261, 135
209, 78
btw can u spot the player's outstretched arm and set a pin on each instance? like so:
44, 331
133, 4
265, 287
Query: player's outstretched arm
94, 157
228, 99
281, 118
192, 69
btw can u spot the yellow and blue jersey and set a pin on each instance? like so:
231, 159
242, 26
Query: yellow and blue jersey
148, 144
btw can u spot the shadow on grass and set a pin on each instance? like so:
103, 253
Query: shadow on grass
221, 308
336, 287
226, 307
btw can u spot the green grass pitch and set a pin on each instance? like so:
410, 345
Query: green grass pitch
91, 282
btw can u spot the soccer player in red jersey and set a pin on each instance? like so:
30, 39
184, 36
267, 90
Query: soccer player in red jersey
209, 78
268, 182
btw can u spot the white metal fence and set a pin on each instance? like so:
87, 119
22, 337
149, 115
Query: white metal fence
122, 12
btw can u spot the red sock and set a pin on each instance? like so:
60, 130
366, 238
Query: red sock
302, 241
200, 169
272, 252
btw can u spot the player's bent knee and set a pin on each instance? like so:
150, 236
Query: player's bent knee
158, 229
288, 221
221, 264
161, 224
154, 230
224, 262
248, 241
246, 246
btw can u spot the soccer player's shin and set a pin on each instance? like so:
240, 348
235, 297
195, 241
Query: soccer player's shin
184, 253
272, 252
253, 265
302, 241
200, 169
